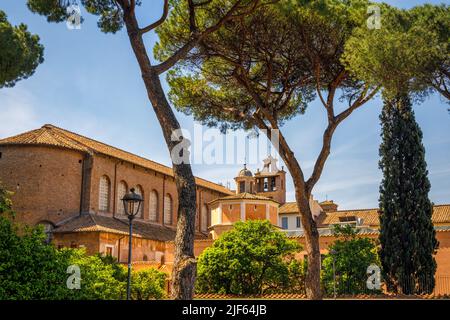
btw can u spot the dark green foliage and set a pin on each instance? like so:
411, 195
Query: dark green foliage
253, 258
407, 237
148, 284
352, 256
29, 269
32, 269
20, 52
409, 53
5, 200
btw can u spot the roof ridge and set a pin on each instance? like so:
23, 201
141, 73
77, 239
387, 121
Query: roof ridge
116, 148
21, 134
103, 143
88, 144
62, 132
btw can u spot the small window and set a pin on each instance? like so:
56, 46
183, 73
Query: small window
299, 222
204, 218
284, 223
109, 250
48, 230
168, 207
230, 207
121, 191
242, 186
104, 194
153, 206
0, 155
73, 245
347, 219
140, 191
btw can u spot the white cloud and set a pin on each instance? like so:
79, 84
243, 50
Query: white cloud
17, 113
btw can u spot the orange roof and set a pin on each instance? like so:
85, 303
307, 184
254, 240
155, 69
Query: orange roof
50, 135
243, 196
97, 223
441, 214
369, 216
288, 207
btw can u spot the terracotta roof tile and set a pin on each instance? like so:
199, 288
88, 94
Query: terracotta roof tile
296, 296
243, 196
54, 136
441, 214
97, 223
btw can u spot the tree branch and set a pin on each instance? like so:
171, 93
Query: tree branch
159, 22
197, 37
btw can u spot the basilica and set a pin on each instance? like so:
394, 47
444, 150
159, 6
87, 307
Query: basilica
73, 186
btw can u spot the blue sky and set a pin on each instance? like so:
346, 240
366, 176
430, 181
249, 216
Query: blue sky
90, 80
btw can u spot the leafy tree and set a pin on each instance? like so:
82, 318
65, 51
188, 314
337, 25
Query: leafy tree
5, 200
252, 258
113, 16
263, 70
20, 53
414, 43
101, 278
148, 284
29, 269
407, 237
351, 255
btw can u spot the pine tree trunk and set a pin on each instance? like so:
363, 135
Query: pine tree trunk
312, 285
184, 269
302, 195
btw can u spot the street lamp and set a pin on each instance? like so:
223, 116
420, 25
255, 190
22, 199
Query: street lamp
132, 203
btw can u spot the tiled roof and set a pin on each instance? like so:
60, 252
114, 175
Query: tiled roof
54, 136
441, 214
299, 296
288, 207
97, 223
369, 216
243, 196
363, 231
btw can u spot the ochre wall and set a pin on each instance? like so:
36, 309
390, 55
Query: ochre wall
90, 240
255, 211
231, 213
46, 182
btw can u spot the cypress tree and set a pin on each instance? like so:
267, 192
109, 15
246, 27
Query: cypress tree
407, 237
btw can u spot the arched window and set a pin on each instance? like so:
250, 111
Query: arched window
197, 219
153, 206
138, 189
168, 208
104, 194
122, 189
48, 229
204, 219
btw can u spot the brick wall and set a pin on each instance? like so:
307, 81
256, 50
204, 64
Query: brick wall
46, 182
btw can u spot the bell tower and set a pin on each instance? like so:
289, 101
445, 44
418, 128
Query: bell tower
270, 182
245, 181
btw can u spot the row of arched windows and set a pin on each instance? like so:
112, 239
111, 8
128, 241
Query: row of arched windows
153, 203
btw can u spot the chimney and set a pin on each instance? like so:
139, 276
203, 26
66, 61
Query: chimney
328, 206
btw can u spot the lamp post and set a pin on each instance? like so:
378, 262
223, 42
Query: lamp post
132, 203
